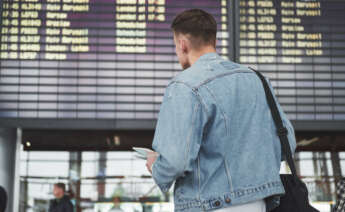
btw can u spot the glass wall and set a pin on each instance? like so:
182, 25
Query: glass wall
96, 179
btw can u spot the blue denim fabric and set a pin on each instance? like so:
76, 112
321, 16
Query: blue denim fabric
216, 138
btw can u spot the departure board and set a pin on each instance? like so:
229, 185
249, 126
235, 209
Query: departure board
112, 59
300, 46
95, 59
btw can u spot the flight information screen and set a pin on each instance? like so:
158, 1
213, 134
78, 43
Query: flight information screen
112, 59
300, 46
92, 58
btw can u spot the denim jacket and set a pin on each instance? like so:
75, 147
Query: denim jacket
216, 138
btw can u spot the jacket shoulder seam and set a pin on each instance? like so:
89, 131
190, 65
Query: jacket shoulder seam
236, 71
195, 93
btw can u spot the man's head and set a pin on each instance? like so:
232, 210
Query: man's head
194, 34
59, 190
116, 200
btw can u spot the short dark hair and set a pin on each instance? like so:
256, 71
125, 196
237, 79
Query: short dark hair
61, 185
199, 24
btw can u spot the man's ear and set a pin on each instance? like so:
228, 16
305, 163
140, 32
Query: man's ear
184, 45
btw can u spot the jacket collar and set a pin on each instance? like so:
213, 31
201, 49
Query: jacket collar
206, 57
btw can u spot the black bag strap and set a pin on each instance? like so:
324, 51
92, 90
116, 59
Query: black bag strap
281, 129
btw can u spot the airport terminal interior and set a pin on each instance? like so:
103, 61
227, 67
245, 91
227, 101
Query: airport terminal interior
99, 176
82, 81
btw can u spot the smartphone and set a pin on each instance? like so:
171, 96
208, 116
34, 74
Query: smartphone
142, 152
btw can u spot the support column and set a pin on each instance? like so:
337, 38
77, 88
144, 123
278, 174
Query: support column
324, 172
74, 176
8, 147
336, 167
102, 167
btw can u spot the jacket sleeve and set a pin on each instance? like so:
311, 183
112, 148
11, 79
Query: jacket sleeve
51, 202
286, 122
69, 206
178, 134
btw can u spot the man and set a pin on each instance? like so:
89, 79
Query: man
116, 207
3, 199
215, 137
62, 202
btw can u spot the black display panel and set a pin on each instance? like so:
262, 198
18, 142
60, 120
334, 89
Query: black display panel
111, 60
300, 45
95, 59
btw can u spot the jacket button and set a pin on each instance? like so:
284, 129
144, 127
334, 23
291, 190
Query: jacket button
217, 203
228, 200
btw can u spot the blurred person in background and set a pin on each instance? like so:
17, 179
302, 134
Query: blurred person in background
215, 137
3, 199
62, 202
116, 207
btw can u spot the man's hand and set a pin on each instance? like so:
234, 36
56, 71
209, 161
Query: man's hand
151, 158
